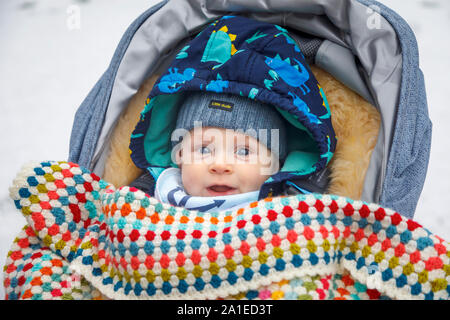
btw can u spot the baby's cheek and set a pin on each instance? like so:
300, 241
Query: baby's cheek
190, 179
251, 178
186, 179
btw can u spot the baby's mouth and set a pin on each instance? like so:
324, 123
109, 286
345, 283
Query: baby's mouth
221, 190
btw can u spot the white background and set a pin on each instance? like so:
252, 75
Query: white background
47, 68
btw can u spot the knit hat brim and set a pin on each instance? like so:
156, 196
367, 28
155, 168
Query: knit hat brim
258, 120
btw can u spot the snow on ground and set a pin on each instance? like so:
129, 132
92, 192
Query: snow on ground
48, 65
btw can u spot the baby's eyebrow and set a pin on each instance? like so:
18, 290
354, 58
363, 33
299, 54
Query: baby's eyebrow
207, 139
201, 138
246, 139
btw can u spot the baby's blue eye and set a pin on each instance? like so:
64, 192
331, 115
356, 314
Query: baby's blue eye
203, 150
243, 152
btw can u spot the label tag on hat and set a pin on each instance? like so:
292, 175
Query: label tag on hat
221, 105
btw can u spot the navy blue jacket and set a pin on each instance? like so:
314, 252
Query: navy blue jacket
257, 60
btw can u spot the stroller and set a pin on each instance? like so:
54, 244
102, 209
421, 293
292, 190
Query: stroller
361, 43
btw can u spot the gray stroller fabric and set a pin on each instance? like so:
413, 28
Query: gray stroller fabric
362, 43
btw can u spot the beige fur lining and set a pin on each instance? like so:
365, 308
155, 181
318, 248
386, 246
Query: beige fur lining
356, 124
119, 168
355, 121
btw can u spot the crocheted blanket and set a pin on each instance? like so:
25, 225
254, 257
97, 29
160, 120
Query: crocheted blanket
86, 240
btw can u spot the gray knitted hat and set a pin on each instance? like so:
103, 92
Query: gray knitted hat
233, 112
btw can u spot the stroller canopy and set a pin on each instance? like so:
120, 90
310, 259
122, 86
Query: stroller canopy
362, 43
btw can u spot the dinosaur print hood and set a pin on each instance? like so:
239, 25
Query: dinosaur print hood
258, 60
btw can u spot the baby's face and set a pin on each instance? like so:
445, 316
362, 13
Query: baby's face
217, 162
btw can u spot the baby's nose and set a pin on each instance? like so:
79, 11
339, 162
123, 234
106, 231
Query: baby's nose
220, 168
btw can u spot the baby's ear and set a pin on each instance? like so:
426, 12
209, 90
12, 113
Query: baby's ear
178, 156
